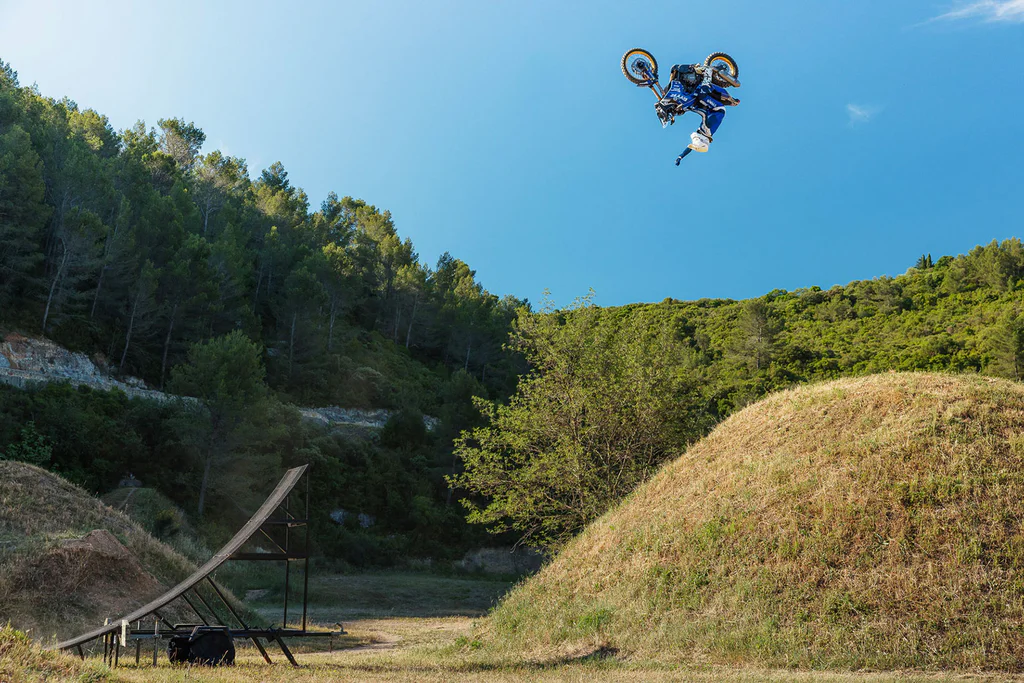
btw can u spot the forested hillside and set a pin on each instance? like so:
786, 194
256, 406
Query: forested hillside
167, 261
137, 244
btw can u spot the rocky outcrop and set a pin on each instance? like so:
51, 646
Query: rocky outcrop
26, 360
353, 417
364, 520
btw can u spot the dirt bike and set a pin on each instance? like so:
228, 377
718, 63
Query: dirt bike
641, 68
718, 72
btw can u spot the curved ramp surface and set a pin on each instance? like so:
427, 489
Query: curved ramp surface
284, 487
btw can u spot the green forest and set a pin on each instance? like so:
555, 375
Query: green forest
180, 266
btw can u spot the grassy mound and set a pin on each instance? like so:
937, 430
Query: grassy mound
874, 522
67, 561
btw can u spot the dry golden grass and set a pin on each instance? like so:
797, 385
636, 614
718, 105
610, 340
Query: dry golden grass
428, 649
863, 523
22, 660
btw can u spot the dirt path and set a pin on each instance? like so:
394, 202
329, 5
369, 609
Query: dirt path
401, 634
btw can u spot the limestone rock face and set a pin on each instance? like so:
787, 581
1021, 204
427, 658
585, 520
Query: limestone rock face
27, 360
354, 417
24, 360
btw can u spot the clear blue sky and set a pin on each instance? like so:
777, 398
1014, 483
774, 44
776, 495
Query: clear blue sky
870, 131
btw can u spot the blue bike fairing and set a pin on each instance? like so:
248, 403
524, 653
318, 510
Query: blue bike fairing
705, 96
678, 93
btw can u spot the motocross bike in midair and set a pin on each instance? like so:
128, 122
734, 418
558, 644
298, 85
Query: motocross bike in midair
698, 88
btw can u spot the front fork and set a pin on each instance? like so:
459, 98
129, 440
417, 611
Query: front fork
654, 86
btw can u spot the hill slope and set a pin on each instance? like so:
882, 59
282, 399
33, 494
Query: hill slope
871, 522
67, 560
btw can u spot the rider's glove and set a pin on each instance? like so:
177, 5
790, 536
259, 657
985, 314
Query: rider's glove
665, 110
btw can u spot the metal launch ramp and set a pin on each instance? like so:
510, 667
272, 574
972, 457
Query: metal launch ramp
129, 627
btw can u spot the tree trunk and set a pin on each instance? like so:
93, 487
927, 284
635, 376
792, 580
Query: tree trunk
131, 327
103, 266
412, 317
56, 280
259, 281
330, 330
469, 348
206, 478
99, 286
167, 346
291, 345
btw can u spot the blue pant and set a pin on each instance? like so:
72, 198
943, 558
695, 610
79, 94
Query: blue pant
712, 119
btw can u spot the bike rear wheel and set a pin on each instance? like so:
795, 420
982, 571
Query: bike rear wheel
640, 67
725, 66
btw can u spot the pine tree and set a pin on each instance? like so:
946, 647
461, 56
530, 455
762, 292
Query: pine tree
22, 212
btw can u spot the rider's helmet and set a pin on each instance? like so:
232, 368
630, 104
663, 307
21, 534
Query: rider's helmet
686, 74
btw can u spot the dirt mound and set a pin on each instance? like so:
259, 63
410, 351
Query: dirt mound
97, 559
874, 522
92, 575
67, 561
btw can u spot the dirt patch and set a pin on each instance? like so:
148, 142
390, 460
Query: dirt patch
96, 564
73, 581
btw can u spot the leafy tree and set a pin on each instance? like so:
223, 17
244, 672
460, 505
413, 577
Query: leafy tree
226, 375
757, 334
218, 178
8, 76
1005, 343
76, 254
181, 141
22, 211
31, 448
142, 306
590, 421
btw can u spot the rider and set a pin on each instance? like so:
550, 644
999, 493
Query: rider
691, 89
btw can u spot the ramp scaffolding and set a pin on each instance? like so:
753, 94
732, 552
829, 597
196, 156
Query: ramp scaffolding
288, 536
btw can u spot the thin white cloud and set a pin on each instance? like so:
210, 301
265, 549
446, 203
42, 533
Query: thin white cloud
861, 113
1009, 11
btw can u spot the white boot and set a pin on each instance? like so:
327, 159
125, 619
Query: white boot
699, 142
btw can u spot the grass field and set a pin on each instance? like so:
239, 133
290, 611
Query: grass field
398, 630
436, 649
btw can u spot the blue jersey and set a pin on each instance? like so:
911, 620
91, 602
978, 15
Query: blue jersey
702, 97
